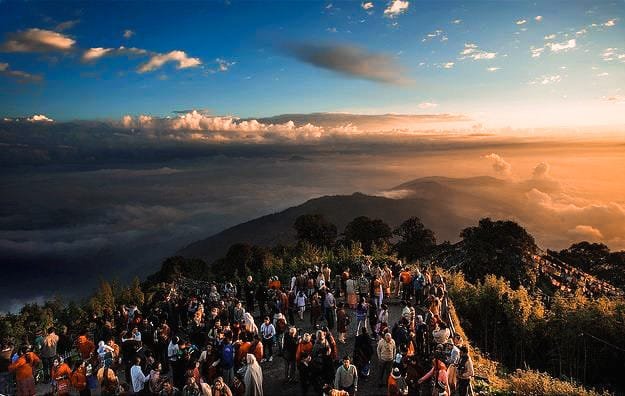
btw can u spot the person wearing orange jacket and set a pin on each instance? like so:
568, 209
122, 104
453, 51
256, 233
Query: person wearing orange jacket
61, 375
304, 347
23, 369
84, 345
79, 379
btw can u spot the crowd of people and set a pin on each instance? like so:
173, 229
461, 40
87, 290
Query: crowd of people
198, 338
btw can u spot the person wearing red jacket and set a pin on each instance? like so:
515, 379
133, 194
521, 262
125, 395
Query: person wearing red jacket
61, 375
79, 379
23, 369
84, 345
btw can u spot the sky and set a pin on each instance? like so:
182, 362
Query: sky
515, 63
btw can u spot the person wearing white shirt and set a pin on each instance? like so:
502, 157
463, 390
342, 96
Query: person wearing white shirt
268, 332
137, 376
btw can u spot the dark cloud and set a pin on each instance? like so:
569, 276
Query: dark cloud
349, 61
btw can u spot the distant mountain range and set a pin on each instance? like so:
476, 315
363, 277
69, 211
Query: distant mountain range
435, 200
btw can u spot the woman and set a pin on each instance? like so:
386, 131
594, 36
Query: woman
350, 290
250, 326
79, 379
220, 388
61, 374
290, 351
253, 379
23, 369
438, 374
156, 384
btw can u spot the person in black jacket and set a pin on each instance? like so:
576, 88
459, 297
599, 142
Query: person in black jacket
363, 350
289, 346
306, 373
249, 289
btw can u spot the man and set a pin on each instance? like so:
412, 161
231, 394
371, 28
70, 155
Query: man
268, 332
386, 353
329, 304
346, 377
48, 352
137, 376
465, 371
250, 290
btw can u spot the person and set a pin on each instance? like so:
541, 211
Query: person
327, 390
220, 388
351, 288
249, 325
396, 383
441, 332
464, 371
23, 369
253, 379
346, 377
362, 311
170, 390
304, 347
226, 360
438, 375
306, 373
108, 381
155, 384
84, 345
289, 348
300, 300
48, 352
268, 332
342, 322
250, 291
363, 350
329, 304
386, 354
191, 388
137, 376
79, 378
61, 375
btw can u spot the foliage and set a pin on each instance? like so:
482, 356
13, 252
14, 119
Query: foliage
415, 241
596, 259
368, 232
535, 383
501, 248
315, 229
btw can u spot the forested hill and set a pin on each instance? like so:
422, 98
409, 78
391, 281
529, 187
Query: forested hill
278, 228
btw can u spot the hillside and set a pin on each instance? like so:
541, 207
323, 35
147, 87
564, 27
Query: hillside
277, 228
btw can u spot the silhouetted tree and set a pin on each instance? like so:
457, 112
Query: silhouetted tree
315, 229
415, 240
368, 231
585, 255
502, 248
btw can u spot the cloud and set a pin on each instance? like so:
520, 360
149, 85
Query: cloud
37, 40
349, 61
367, 5
435, 34
545, 80
610, 23
541, 171
95, 53
128, 33
611, 54
500, 165
521, 22
158, 60
537, 52
448, 65
20, 76
550, 36
457, 21
493, 69
562, 47
427, 105
616, 99
604, 74
538, 18
396, 8
39, 118
66, 25
472, 51
586, 232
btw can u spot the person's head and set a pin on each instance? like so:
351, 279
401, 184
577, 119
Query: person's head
158, 366
267, 320
464, 350
57, 361
190, 381
50, 330
387, 337
346, 361
306, 337
137, 361
457, 339
167, 386
292, 331
219, 383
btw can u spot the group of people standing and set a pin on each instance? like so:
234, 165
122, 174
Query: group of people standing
195, 338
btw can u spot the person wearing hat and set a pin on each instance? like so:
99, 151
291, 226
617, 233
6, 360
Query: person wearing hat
396, 383
346, 377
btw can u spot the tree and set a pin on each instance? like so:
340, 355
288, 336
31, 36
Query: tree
415, 240
585, 255
368, 231
315, 229
502, 248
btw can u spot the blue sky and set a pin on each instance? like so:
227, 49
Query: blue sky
478, 59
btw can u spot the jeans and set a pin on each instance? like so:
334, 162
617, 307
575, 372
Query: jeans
268, 347
385, 371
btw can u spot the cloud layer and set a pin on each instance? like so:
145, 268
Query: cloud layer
349, 61
37, 40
